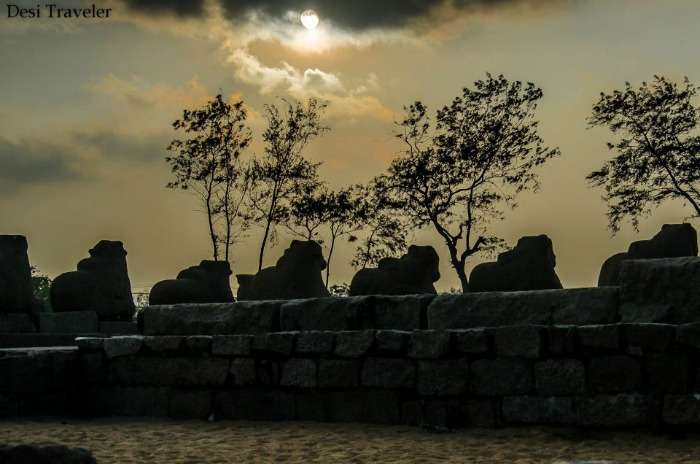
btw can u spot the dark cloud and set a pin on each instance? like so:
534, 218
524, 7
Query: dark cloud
30, 162
355, 14
110, 145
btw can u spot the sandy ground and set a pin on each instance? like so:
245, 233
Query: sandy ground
165, 441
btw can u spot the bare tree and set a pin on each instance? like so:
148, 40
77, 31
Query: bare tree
458, 174
207, 161
657, 152
282, 173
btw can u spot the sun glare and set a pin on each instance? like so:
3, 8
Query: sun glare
309, 19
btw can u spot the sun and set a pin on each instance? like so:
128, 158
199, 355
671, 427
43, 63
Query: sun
309, 19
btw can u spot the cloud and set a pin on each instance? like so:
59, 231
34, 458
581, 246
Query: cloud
111, 145
31, 162
138, 92
357, 15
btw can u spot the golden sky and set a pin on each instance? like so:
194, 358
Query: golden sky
86, 107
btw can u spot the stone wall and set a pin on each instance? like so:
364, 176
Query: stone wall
617, 375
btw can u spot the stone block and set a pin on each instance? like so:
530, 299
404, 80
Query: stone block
382, 407
561, 340
268, 372
243, 317
338, 373
16, 323
255, 404
539, 410
299, 373
429, 344
122, 346
135, 401
189, 404
140, 370
689, 334
401, 312
623, 410
90, 343
518, 341
388, 373
394, 341
443, 378
501, 377
353, 344
8, 406
681, 409
333, 313
198, 343
649, 337
668, 372
243, 372
74, 322
163, 343
315, 342
470, 341
660, 290
541, 307
278, 343
611, 374
232, 345
560, 377
119, 328
599, 337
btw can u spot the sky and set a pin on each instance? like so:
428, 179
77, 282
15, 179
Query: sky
86, 107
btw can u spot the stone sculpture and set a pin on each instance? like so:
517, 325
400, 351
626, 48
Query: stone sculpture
100, 284
15, 276
297, 274
672, 241
528, 266
206, 283
413, 273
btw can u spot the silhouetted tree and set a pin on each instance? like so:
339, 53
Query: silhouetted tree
283, 173
308, 211
207, 162
41, 284
657, 152
458, 173
385, 232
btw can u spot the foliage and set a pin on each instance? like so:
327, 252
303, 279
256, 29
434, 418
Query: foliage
283, 174
657, 153
342, 289
458, 173
41, 285
208, 162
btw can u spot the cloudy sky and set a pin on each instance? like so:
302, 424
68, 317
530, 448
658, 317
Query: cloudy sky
86, 107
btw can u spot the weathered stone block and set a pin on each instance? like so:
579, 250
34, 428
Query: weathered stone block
189, 404
91, 368
614, 410
122, 346
299, 372
442, 378
560, 377
599, 337
338, 373
268, 372
119, 328
660, 290
500, 377
135, 401
681, 409
16, 323
353, 344
429, 344
310, 406
561, 340
689, 334
492, 309
382, 407
255, 404
315, 342
68, 322
669, 372
470, 341
279, 343
649, 337
394, 341
198, 343
90, 343
345, 406
243, 371
539, 410
518, 341
482, 412
334, 313
243, 317
163, 343
232, 345
388, 373
8, 406
182, 372
619, 373
399, 312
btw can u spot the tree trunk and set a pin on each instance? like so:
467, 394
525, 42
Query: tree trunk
459, 267
328, 261
264, 244
212, 233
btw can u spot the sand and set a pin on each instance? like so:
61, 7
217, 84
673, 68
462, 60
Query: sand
166, 441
